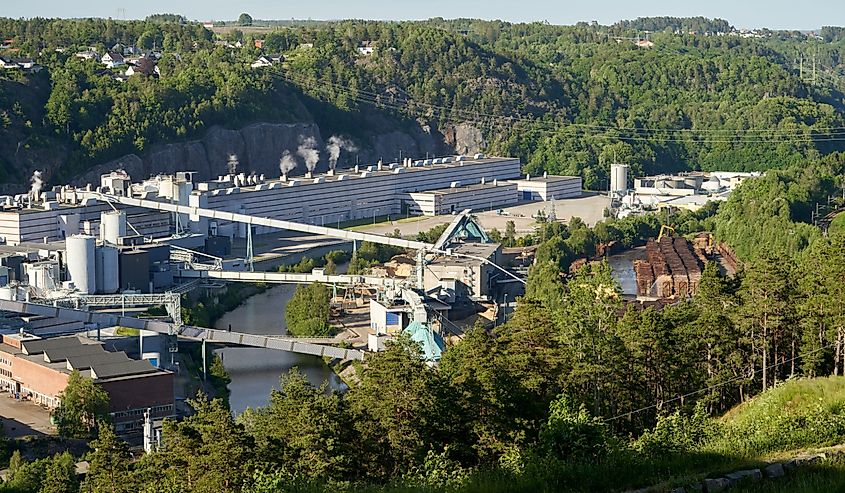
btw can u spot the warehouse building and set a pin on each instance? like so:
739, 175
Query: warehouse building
549, 187
38, 370
343, 196
455, 199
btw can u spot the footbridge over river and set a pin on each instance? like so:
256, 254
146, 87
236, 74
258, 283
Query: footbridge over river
100, 319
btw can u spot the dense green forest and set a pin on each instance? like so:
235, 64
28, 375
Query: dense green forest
565, 99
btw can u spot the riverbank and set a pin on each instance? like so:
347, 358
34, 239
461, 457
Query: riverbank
255, 372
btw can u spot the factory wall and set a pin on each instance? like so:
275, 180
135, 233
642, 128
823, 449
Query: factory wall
325, 200
34, 225
455, 200
557, 187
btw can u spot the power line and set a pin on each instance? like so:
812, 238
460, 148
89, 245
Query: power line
400, 103
715, 386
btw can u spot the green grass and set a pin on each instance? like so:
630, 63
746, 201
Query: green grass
827, 476
838, 224
798, 414
365, 224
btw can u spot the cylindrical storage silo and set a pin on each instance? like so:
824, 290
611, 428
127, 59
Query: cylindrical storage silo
81, 262
619, 178
112, 226
108, 271
614, 184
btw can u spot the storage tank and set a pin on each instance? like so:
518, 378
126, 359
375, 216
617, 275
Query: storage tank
81, 262
107, 271
619, 178
112, 226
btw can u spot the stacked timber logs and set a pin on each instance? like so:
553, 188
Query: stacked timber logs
672, 267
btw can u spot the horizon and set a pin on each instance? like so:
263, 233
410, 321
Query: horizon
775, 14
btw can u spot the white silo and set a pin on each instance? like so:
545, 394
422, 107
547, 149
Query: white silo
112, 226
81, 262
619, 178
107, 274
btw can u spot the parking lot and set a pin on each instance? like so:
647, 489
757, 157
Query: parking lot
24, 418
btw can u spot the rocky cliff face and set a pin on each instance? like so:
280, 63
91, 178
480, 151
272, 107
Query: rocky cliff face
258, 148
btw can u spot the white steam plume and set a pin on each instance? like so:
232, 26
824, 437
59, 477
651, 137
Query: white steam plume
308, 151
287, 163
335, 145
232, 164
35, 189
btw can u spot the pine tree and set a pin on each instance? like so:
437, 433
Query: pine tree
108, 470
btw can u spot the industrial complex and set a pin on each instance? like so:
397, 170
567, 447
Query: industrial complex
74, 259
67, 253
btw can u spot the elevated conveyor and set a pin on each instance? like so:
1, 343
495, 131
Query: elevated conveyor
189, 332
260, 221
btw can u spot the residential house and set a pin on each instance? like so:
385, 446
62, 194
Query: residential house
7, 63
366, 48
88, 55
644, 43
259, 43
26, 63
143, 66
6, 44
112, 60
267, 60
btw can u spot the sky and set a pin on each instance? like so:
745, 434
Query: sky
775, 14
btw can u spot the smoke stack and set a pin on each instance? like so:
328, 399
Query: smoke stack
308, 152
35, 188
336, 144
286, 164
308, 174
330, 172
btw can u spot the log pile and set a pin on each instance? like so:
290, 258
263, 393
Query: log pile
672, 267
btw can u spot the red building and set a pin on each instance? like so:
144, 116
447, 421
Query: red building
38, 369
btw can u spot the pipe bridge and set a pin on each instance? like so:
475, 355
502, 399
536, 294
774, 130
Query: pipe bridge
189, 332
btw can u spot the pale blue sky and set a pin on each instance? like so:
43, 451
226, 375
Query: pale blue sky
778, 14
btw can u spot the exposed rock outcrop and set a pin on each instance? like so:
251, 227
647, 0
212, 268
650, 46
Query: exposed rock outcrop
259, 147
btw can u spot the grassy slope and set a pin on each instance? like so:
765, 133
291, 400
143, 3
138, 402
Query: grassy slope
825, 477
838, 224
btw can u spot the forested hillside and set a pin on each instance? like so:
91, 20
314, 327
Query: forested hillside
565, 99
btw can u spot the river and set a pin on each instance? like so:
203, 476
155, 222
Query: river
255, 371
623, 269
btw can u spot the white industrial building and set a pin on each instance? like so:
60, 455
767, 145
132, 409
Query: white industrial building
694, 183
431, 186
549, 187
457, 198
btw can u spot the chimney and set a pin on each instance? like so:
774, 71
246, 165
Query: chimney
308, 174
528, 177
330, 172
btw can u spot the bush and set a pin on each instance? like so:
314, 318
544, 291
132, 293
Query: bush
572, 433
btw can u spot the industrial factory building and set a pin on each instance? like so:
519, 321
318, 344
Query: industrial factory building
38, 370
457, 198
694, 183
431, 186
548, 187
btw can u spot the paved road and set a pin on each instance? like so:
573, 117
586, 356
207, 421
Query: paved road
24, 418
